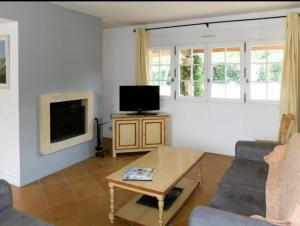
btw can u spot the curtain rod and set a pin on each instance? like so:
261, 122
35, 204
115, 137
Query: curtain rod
213, 22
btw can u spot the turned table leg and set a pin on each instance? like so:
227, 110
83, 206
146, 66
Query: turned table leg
111, 215
161, 210
200, 173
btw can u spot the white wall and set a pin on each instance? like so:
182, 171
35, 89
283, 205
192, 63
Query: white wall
9, 112
212, 127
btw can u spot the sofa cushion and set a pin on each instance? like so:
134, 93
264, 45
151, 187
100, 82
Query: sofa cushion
12, 217
247, 174
239, 200
242, 189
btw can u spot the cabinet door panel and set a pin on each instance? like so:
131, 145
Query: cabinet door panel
153, 133
127, 134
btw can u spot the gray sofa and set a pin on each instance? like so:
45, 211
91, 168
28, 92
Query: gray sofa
241, 192
10, 216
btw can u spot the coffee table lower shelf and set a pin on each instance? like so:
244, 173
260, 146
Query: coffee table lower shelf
145, 215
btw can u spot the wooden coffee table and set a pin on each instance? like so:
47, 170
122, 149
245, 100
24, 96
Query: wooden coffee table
171, 165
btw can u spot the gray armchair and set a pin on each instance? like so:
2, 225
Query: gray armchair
10, 216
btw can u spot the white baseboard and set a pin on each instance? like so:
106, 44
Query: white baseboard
10, 179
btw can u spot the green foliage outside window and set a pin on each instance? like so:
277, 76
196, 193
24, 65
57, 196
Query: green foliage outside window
198, 75
233, 72
275, 72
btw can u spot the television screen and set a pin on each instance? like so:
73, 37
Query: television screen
139, 98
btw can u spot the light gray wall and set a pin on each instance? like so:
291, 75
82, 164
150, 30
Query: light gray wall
59, 51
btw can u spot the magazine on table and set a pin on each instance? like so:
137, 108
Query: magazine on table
139, 174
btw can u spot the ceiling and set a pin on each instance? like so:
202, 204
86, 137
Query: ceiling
120, 13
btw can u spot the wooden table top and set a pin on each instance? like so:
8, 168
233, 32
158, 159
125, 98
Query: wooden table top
171, 165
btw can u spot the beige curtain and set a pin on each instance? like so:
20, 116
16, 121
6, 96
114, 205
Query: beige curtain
142, 57
290, 73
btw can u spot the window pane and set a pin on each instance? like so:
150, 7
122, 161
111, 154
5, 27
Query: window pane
198, 73
258, 72
185, 88
275, 53
274, 72
165, 73
198, 56
233, 89
165, 57
185, 72
258, 91
165, 88
233, 72
198, 89
233, 55
154, 57
218, 89
258, 54
185, 56
218, 55
273, 91
160, 70
218, 72
154, 72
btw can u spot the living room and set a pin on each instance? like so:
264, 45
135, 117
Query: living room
223, 76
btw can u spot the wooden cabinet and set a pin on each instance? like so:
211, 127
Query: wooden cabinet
134, 133
127, 134
153, 133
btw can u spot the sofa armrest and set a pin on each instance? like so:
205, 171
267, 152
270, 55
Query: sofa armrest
5, 195
251, 150
207, 216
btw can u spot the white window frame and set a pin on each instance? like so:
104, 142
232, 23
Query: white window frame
249, 44
245, 63
177, 79
171, 48
242, 65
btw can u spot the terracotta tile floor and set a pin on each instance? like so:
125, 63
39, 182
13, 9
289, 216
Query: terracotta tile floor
78, 195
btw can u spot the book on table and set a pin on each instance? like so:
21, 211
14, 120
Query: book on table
139, 174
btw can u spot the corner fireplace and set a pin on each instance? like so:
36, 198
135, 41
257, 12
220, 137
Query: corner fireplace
66, 119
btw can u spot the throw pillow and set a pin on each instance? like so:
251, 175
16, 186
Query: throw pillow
289, 177
274, 159
293, 220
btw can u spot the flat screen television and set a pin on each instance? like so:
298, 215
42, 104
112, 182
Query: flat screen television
139, 99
